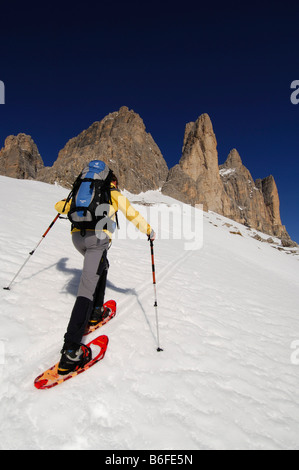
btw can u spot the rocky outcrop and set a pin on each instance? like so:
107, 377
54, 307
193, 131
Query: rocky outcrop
196, 178
20, 158
255, 204
229, 189
270, 193
120, 140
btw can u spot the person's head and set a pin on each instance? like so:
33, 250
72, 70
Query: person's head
114, 179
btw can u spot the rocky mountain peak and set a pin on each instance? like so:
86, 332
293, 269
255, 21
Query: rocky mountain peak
227, 189
196, 178
121, 141
199, 148
233, 160
255, 204
20, 158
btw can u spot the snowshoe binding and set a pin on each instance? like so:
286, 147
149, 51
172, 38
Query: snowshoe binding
99, 314
73, 359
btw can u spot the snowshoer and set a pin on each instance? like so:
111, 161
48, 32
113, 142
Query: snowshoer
93, 243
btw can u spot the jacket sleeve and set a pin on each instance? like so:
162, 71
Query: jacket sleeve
59, 206
120, 202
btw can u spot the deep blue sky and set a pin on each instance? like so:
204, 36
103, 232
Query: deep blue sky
67, 65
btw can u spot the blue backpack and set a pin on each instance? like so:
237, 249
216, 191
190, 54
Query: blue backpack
91, 197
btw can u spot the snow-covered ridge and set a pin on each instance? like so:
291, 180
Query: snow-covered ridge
229, 326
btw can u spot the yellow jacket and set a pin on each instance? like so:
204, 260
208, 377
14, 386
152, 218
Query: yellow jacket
119, 202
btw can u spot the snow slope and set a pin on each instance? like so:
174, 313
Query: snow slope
228, 376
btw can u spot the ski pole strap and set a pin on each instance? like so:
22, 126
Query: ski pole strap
74, 188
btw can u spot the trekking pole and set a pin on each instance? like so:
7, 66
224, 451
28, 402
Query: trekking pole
32, 252
155, 292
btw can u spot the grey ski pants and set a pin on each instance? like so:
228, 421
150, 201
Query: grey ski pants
94, 250
90, 289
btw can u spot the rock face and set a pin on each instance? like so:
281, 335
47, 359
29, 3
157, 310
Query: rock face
229, 189
255, 204
271, 198
120, 140
20, 158
196, 178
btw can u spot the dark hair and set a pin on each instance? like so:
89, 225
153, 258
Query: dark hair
114, 177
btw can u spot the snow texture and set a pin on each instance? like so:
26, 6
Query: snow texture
228, 317
227, 171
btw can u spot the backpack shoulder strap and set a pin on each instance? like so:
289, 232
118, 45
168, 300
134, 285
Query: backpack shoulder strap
73, 190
